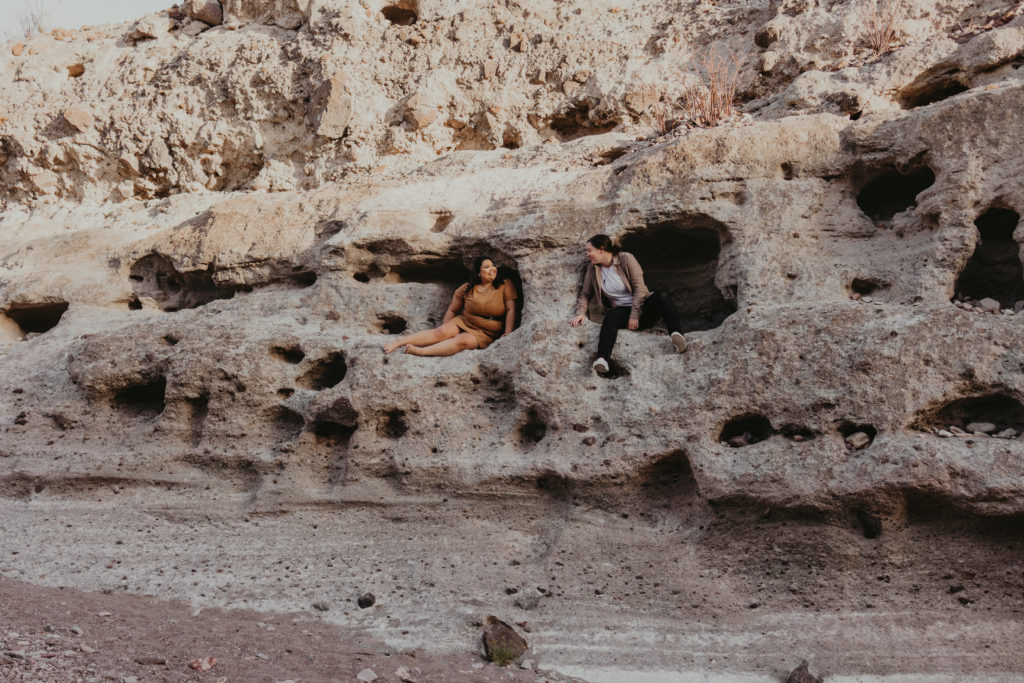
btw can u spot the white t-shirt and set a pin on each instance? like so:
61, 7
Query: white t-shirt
614, 288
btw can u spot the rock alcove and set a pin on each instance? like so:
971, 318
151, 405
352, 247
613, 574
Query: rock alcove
994, 269
681, 258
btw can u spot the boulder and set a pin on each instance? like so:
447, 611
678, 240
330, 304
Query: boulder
152, 26
502, 645
207, 11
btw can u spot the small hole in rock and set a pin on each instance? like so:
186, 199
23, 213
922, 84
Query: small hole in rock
361, 277
286, 422
532, 429
931, 89
893, 192
325, 372
787, 170
746, 430
857, 436
332, 434
392, 324
997, 411
796, 432
291, 353
171, 340
866, 287
145, 399
393, 424
37, 317
400, 14
285, 392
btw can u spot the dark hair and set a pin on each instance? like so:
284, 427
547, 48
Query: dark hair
603, 242
474, 276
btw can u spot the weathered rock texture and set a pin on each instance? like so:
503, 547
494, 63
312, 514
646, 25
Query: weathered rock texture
210, 232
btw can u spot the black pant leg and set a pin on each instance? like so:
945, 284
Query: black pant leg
614, 320
659, 307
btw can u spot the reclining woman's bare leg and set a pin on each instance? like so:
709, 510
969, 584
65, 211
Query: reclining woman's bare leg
426, 337
448, 347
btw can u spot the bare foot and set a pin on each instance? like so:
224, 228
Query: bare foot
414, 350
388, 348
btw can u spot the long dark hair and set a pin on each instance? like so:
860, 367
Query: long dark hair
603, 242
474, 275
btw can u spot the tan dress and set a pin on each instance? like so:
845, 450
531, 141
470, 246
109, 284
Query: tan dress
484, 300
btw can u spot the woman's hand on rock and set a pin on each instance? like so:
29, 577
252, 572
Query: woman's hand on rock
634, 323
577, 321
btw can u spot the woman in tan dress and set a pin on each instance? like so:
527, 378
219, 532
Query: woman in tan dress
481, 310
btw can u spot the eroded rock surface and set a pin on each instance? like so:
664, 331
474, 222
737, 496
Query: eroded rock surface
209, 233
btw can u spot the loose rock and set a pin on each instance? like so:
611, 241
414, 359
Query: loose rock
801, 674
502, 645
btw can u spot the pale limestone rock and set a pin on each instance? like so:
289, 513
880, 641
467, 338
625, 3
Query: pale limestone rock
79, 118
207, 11
155, 25
331, 107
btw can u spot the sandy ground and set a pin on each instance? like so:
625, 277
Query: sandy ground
62, 634
734, 595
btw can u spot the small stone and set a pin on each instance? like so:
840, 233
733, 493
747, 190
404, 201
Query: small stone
129, 679
1007, 434
103, 614
15, 654
1018, 307
153, 26
366, 600
321, 606
490, 69
260, 655
989, 305
527, 601
944, 434
957, 431
76, 70
404, 675
151, 661
866, 299
366, 676
981, 428
86, 649
802, 675
18, 49
737, 441
49, 628
202, 664
526, 664
75, 630
79, 118
858, 440
502, 645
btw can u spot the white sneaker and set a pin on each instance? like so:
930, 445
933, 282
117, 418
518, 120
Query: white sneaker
601, 366
679, 340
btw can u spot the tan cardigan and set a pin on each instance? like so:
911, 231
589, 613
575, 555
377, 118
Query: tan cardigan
632, 275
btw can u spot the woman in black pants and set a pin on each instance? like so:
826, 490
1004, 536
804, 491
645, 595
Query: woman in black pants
616, 277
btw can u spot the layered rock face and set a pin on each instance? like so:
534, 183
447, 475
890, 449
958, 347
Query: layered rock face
209, 233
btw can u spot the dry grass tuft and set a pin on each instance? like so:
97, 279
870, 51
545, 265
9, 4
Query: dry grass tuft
709, 96
880, 21
31, 20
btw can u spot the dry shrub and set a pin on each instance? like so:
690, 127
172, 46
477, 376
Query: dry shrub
31, 20
879, 20
709, 96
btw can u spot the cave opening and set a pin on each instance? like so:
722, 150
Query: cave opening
681, 259
994, 269
893, 192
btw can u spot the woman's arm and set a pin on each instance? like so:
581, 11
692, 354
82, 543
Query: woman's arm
455, 307
586, 291
510, 316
